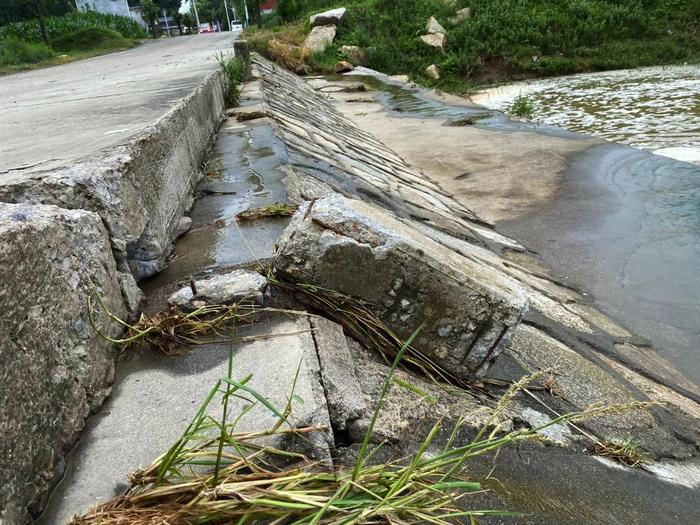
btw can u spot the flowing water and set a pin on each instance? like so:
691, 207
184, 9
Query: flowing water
625, 224
655, 109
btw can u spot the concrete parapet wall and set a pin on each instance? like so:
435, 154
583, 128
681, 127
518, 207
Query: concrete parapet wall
140, 189
103, 223
54, 368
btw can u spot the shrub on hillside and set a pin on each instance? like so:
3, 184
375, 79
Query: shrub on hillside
58, 26
14, 52
90, 38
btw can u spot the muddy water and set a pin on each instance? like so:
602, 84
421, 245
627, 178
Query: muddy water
624, 225
656, 109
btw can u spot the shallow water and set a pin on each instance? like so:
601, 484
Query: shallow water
656, 109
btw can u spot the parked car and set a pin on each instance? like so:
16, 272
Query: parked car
206, 28
237, 26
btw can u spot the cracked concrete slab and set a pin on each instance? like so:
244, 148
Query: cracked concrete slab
155, 397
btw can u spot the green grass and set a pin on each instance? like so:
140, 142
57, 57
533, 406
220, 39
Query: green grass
522, 107
72, 37
90, 38
235, 71
513, 39
58, 26
14, 52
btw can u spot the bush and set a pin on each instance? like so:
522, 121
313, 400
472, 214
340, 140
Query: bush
15, 52
58, 26
90, 38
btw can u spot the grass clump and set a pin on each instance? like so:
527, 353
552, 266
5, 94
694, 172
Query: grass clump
217, 474
234, 72
625, 451
90, 38
522, 107
273, 210
14, 52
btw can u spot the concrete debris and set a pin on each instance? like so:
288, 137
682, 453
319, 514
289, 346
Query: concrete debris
437, 40
460, 16
319, 39
433, 26
433, 72
227, 288
343, 67
54, 368
469, 308
355, 55
331, 17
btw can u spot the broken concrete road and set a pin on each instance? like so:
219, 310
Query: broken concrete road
470, 309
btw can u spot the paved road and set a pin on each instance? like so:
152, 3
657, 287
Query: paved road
52, 116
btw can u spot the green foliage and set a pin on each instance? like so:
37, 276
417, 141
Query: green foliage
90, 38
515, 38
522, 107
14, 52
58, 26
19, 10
234, 70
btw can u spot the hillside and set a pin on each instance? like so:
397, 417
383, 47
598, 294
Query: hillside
502, 39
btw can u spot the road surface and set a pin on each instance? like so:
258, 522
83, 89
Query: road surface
51, 117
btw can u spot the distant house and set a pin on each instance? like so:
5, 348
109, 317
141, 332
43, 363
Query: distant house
108, 7
268, 6
111, 7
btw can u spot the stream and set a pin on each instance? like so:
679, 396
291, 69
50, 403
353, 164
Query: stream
656, 109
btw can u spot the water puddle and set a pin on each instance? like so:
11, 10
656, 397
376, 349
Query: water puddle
244, 173
656, 109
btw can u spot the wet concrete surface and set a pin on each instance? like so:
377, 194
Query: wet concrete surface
242, 173
625, 227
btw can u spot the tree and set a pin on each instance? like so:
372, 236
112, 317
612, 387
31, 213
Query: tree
20, 10
41, 15
149, 11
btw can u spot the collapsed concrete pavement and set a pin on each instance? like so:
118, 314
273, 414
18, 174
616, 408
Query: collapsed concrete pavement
357, 197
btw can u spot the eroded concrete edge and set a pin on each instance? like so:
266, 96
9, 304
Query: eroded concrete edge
127, 203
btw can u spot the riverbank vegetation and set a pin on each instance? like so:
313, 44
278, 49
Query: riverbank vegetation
70, 37
502, 40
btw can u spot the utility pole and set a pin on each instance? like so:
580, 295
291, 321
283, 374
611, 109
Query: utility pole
167, 27
228, 18
247, 16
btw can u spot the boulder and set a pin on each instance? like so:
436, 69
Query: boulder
54, 367
433, 72
319, 39
463, 14
470, 309
332, 17
433, 26
343, 66
437, 40
460, 16
290, 56
227, 288
355, 55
